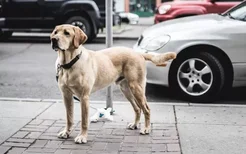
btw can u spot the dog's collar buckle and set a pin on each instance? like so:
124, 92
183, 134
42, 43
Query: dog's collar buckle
58, 68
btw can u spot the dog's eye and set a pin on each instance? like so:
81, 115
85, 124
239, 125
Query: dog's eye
66, 33
55, 32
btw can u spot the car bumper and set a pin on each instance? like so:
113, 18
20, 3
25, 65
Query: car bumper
162, 17
134, 21
2, 22
155, 75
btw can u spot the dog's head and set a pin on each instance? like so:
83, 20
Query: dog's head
65, 37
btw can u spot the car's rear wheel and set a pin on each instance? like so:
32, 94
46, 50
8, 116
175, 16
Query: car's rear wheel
198, 77
4, 35
84, 25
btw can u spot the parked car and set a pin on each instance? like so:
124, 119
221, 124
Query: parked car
129, 18
184, 8
210, 53
44, 15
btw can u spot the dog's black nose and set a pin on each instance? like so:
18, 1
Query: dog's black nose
54, 40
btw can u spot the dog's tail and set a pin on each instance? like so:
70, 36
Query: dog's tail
159, 59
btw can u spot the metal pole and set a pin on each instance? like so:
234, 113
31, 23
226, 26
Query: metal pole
109, 43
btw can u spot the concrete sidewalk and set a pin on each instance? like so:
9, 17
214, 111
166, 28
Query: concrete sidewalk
31, 126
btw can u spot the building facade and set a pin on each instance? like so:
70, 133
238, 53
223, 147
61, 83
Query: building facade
144, 8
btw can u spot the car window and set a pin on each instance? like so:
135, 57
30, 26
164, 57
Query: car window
238, 12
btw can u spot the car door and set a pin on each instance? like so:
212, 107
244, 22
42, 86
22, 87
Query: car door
234, 43
23, 13
50, 12
1, 8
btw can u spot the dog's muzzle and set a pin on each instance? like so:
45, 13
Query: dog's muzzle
54, 42
55, 45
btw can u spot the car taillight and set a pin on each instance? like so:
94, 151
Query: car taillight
164, 8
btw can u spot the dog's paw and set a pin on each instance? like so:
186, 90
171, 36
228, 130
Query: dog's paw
63, 134
132, 126
80, 139
145, 130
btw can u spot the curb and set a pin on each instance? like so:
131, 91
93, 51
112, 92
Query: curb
118, 38
167, 103
92, 101
29, 100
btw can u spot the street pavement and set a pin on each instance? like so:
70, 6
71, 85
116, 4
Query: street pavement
28, 71
31, 126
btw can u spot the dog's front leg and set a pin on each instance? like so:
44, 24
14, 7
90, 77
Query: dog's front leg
69, 105
84, 103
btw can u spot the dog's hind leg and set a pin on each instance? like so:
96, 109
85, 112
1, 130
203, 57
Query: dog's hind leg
69, 105
128, 94
137, 90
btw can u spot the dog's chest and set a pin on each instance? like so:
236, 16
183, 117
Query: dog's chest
68, 79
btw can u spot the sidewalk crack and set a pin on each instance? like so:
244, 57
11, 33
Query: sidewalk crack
176, 122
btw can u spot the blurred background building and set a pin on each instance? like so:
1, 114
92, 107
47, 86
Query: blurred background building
143, 8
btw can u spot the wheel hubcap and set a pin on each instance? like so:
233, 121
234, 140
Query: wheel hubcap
80, 24
195, 77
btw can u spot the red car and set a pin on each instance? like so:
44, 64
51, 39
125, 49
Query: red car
183, 8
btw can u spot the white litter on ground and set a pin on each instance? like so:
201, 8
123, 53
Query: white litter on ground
102, 115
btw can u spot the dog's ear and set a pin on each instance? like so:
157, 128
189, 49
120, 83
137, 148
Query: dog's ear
79, 37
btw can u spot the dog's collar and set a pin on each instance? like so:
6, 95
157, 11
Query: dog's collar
68, 65
71, 63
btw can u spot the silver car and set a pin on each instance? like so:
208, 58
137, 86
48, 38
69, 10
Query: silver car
211, 53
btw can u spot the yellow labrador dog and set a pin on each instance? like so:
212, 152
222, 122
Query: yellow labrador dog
81, 72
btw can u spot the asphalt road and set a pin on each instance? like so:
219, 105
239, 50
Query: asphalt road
27, 70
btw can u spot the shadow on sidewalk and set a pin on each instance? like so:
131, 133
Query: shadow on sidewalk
236, 95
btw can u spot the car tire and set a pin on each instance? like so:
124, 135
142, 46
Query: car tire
84, 25
197, 77
5, 35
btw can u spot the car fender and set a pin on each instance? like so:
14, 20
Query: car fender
194, 43
89, 7
73, 5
